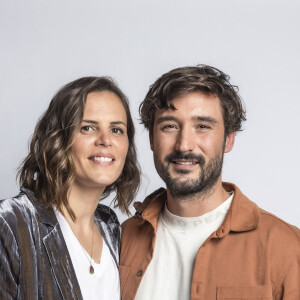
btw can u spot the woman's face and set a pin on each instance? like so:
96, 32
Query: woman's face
100, 147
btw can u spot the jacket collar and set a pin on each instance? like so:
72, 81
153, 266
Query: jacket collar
243, 214
150, 209
109, 226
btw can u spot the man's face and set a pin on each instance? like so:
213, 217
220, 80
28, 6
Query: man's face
188, 144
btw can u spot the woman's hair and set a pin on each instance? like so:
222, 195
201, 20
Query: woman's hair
49, 170
182, 81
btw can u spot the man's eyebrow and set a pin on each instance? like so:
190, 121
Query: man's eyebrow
166, 118
205, 119
96, 123
195, 118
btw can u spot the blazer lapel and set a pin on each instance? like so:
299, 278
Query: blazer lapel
57, 250
110, 239
62, 265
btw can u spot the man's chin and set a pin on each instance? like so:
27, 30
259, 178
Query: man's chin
183, 177
185, 183
175, 170
181, 190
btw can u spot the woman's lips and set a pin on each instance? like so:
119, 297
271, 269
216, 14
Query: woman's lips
102, 158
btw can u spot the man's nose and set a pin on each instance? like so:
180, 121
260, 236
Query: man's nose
185, 140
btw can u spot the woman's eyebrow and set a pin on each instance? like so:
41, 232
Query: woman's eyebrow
90, 121
113, 122
118, 123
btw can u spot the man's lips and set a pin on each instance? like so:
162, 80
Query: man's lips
185, 162
179, 159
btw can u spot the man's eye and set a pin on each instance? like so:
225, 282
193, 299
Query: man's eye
117, 130
203, 126
168, 127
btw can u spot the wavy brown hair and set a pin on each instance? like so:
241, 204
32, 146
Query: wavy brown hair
185, 80
49, 171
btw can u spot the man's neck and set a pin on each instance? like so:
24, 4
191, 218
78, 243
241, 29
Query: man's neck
197, 205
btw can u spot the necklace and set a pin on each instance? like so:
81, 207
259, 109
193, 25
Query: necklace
91, 268
62, 220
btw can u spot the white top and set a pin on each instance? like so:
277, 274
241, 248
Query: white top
105, 282
178, 240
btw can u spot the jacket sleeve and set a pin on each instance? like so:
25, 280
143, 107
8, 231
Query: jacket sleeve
9, 262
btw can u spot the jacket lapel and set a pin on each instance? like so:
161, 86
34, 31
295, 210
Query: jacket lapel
61, 264
57, 250
110, 238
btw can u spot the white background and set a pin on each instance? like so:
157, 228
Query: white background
45, 44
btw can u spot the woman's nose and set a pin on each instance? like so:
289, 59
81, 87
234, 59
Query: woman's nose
104, 139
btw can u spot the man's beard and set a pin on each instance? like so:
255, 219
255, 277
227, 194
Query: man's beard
209, 174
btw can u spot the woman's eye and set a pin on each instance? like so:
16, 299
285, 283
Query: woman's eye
86, 128
117, 130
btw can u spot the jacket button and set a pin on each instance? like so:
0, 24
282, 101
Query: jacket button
139, 273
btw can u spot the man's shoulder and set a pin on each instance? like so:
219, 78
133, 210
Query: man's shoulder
279, 228
246, 215
265, 228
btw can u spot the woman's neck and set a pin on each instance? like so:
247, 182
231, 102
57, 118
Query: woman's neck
83, 202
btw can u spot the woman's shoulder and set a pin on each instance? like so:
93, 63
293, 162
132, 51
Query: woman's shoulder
24, 208
16, 212
17, 204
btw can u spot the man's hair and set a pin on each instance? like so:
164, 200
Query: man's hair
49, 170
182, 81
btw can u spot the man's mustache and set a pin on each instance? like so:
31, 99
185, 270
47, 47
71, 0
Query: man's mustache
186, 156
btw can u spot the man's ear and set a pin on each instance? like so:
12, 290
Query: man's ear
151, 139
229, 142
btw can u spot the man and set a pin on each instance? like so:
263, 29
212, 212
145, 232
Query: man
201, 238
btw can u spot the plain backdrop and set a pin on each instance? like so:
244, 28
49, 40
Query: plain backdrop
45, 44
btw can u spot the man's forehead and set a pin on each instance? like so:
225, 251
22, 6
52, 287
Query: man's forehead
196, 100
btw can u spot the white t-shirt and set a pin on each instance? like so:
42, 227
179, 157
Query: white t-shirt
105, 282
178, 240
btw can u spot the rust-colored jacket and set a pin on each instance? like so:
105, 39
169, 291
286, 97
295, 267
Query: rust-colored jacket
253, 255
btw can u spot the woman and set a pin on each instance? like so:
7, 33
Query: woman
56, 241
